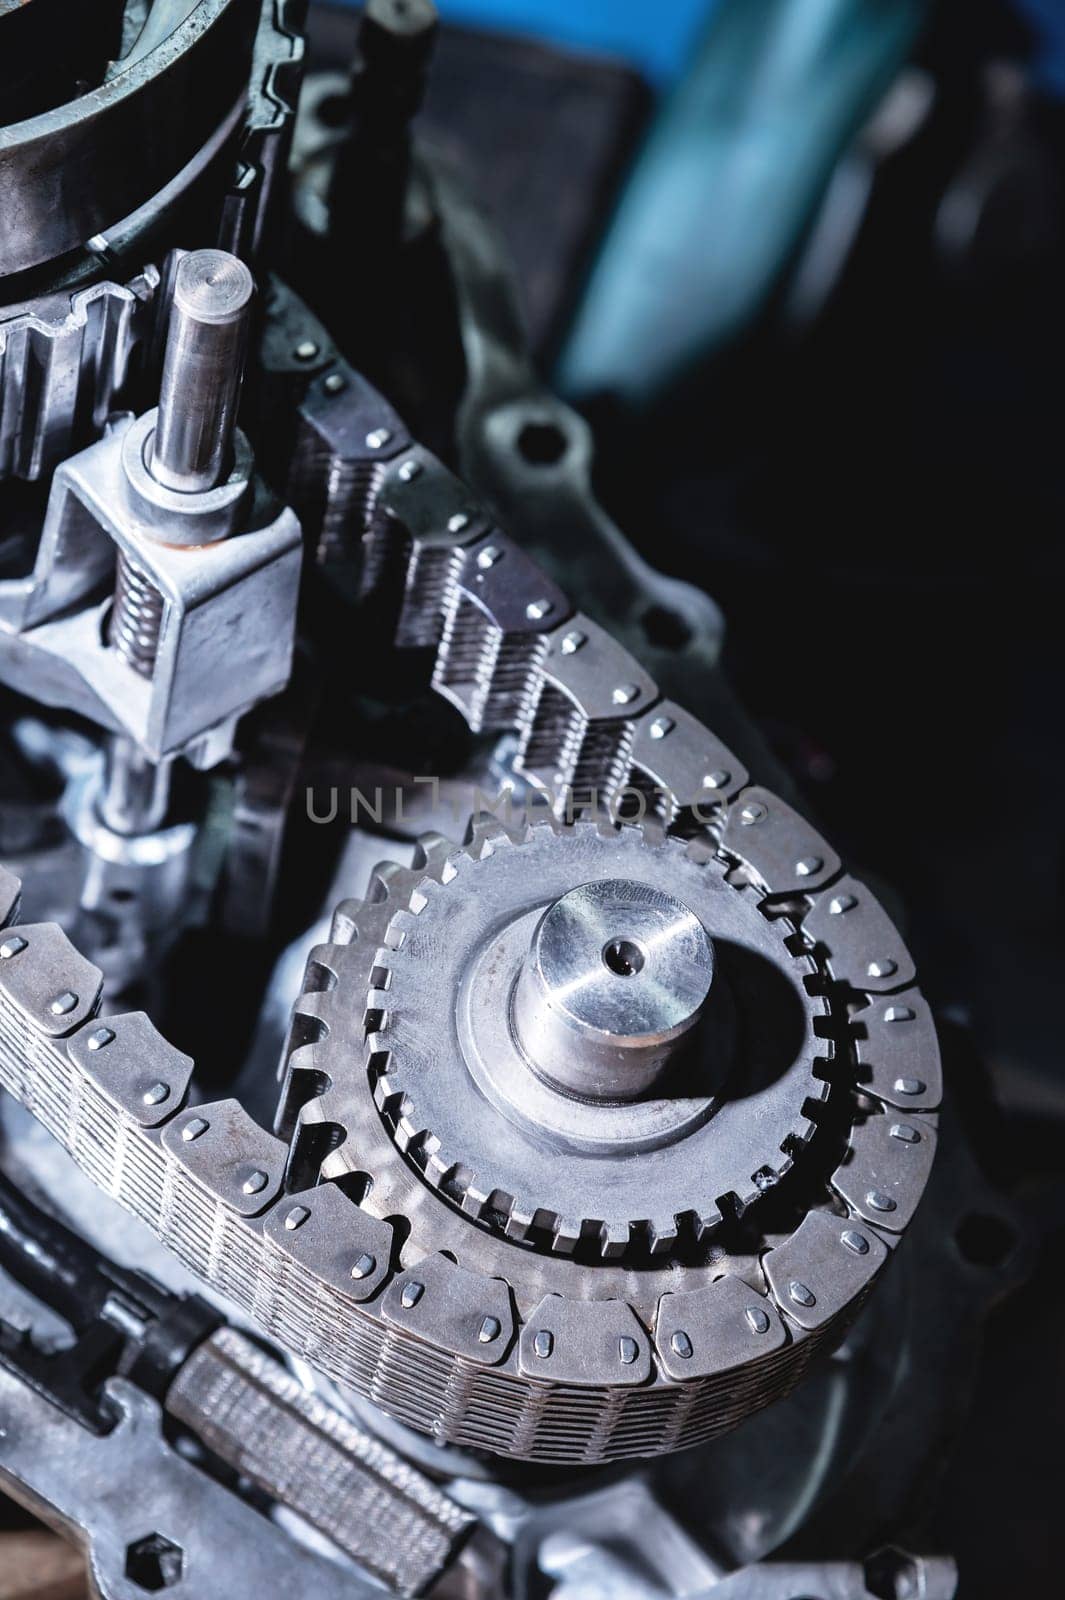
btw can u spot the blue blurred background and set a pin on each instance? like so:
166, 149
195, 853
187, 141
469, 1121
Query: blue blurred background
657, 38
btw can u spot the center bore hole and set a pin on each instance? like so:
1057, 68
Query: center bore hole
623, 958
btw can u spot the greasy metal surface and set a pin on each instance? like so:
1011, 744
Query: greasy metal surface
372, 1504
206, 1179
92, 1488
77, 170
477, 1123
71, 355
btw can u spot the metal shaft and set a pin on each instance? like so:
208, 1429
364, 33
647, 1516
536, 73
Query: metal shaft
202, 371
617, 977
136, 791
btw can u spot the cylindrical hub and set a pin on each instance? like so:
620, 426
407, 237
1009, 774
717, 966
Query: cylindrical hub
202, 371
617, 976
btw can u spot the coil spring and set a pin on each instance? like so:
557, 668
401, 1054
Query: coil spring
136, 617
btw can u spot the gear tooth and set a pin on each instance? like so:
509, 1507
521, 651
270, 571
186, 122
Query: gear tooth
475, 1200
643, 831
450, 868
392, 1103
425, 1150
519, 1221
661, 1235
613, 1239
382, 880
399, 925
485, 843
431, 850
565, 1235
705, 1222
700, 850
486, 829
409, 1135
311, 1114
539, 828
424, 889
343, 929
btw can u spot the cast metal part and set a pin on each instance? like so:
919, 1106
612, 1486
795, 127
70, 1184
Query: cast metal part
194, 1538
204, 1540
382, 1512
68, 349
63, 340
153, 503
149, 510
61, 183
461, 1329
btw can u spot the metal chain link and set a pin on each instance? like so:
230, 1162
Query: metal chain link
450, 1346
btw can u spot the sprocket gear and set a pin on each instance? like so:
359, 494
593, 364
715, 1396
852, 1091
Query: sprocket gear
508, 1146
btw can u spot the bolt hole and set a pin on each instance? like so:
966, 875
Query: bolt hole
623, 958
334, 111
542, 444
665, 628
155, 1562
892, 1575
984, 1240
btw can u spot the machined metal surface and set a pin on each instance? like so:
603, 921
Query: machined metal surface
616, 1173
188, 597
75, 347
616, 977
194, 1539
204, 363
80, 169
557, 1358
386, 1515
